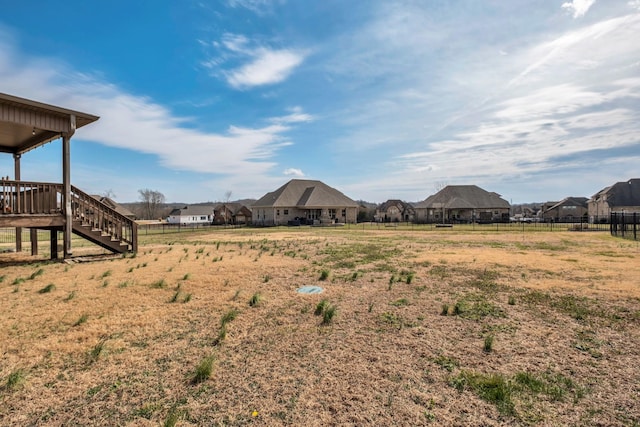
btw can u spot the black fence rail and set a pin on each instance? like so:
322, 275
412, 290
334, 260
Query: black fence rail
625, 224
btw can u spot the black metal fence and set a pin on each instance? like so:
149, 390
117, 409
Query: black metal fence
625, 224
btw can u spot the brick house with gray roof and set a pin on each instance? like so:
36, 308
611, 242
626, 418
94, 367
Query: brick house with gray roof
462, 203
304, 201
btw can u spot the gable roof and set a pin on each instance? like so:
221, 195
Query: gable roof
624, 193
464, 197
305, 193
570, 201
394, 202
193, 210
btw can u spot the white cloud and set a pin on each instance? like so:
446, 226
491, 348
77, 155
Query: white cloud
138, 123
261, 65
297, 115
634, 4
267, 67
578, 8
293, 172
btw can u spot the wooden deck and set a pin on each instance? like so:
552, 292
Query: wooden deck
39, 205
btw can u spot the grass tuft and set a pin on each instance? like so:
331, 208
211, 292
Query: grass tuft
50, 287
15, 379
228, 317
203, 370
255, 299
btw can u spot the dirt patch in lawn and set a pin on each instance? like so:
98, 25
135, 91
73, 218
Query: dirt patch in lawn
412, 328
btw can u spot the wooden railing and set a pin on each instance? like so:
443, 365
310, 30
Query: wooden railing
101, 217
30, 198
42, 198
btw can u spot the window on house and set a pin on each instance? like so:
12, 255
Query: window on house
203, 218
286, 211
344, 212
332, 213
278, 212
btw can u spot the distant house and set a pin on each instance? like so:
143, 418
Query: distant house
232, 213
462, 203
304, 201
115, 206
192, 215
620, 197
569, 209
394, 211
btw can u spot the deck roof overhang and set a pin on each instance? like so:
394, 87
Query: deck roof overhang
27, 124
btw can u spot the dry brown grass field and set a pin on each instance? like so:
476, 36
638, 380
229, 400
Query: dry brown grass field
414, 327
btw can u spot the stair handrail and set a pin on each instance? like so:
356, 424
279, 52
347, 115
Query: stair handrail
101, 216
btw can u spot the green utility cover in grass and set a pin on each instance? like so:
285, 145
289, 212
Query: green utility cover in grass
310, 290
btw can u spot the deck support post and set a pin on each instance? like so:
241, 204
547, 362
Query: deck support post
54, 243
66, 184
34, 241
16, 173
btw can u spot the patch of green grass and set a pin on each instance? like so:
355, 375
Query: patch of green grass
324, 275
159, 284
476, 307
175, 297
328, 314
445, 310
320, 307
18, 280
36, 273
187, 298
228, 316
82, 319
2, 278
446, 362
255, 299
203, 370
400, 302
50, 287
493, 388
15, 379
71, 296
186, 276
106, 274
96, 351
488, 344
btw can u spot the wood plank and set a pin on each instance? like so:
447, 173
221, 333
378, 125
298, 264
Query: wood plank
31, 221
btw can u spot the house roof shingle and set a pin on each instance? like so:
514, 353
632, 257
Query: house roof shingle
304, 193
625, 193
464, 197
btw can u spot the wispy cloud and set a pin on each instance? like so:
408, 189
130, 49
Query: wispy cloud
578, 8
258, 7
294, 172
260, 65
138, 123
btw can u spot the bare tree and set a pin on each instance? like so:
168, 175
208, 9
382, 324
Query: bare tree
439, 185
152, 201
109, 194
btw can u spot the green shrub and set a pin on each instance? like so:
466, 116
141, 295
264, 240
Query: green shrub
324, 275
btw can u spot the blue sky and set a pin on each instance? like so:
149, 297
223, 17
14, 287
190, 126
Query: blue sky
533, 100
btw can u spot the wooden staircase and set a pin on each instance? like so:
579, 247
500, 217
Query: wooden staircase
40, 205
102, 225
